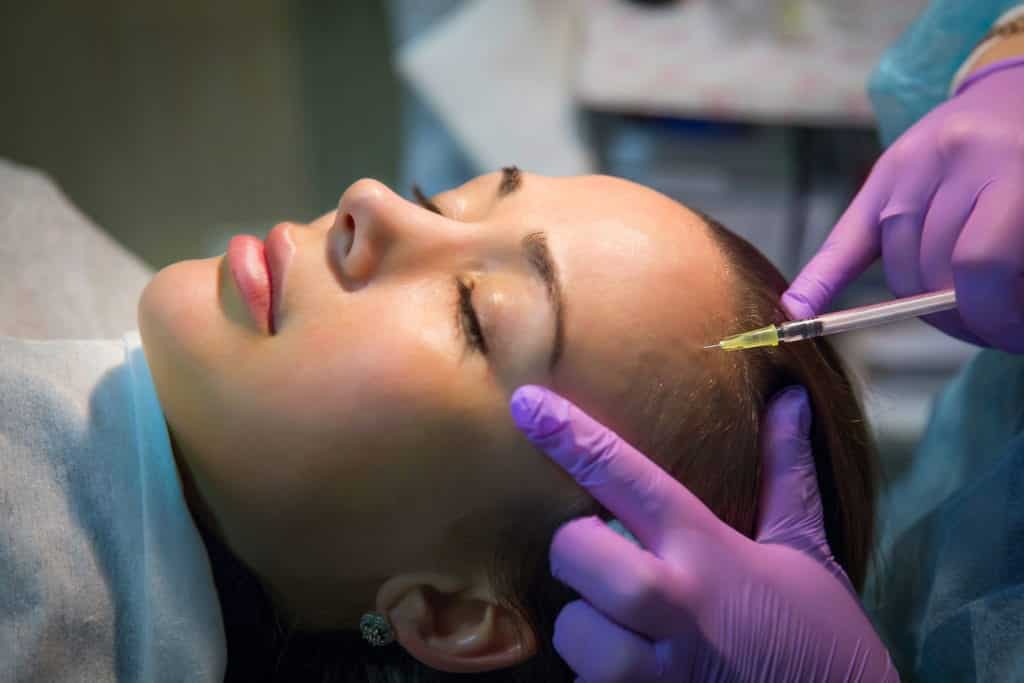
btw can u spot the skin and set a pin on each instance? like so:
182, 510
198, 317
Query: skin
350, 447
1005, 48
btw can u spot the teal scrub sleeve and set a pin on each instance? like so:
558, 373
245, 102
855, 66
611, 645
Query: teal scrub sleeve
947, 593
914, 74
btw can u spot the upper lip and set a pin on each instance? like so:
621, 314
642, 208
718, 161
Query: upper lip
278, 248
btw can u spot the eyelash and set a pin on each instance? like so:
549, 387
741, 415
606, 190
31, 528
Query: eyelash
466, 317
424, 201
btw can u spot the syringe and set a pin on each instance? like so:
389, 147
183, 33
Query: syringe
841, 321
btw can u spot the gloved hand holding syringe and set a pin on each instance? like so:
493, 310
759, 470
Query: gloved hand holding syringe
841, 321
942, 208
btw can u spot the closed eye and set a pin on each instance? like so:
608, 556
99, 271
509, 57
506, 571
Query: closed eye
468, 322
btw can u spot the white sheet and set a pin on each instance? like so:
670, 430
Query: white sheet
104, 576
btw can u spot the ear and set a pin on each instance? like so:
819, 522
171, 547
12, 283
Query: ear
453, 624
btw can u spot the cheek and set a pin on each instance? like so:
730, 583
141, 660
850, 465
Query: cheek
323, 436
366, 366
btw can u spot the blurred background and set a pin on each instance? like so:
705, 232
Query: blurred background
176, 125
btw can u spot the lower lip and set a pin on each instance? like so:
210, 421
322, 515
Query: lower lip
248, 263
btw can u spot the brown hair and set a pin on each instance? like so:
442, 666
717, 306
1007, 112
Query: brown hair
707, 436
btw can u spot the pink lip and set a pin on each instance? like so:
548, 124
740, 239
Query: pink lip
247, 261
259, 271
278, 250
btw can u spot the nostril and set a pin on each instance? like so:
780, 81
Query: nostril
349, 233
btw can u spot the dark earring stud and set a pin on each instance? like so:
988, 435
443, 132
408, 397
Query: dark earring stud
376, 629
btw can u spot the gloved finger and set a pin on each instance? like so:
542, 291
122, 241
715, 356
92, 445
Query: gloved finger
914, 176
901, 247
600, 651
850, 248
902, 218
791, 512
625, 582
947, 214
988, 266
645, 498
890, 191
790, 502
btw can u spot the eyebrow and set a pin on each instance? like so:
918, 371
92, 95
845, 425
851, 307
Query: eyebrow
511, 179
535, 248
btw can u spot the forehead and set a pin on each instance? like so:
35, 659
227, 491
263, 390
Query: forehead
640, 272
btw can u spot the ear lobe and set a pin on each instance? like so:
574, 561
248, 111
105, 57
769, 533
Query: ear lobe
451, 626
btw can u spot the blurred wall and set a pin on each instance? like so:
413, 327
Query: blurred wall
175, 125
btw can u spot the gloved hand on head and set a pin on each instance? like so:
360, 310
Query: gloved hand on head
696, 600
943, 207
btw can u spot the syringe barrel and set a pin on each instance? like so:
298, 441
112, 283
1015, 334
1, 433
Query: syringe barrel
878, 314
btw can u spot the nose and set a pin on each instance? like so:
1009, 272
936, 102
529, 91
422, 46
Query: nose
373, 226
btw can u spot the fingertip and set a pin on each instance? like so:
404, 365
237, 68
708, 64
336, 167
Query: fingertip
523, 404
796, 304
568, 540
792, 406
786, 432
790, 504
531, 411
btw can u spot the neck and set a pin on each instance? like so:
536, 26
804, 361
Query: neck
201, 514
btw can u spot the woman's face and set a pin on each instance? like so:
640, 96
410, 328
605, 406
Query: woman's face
372, 423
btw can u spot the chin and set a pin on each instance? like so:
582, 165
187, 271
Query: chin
180, 313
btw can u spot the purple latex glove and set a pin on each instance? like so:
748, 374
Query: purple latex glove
944, 207
698, 601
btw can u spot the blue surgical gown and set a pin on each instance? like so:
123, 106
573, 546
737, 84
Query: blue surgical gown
947, 587
947, 590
